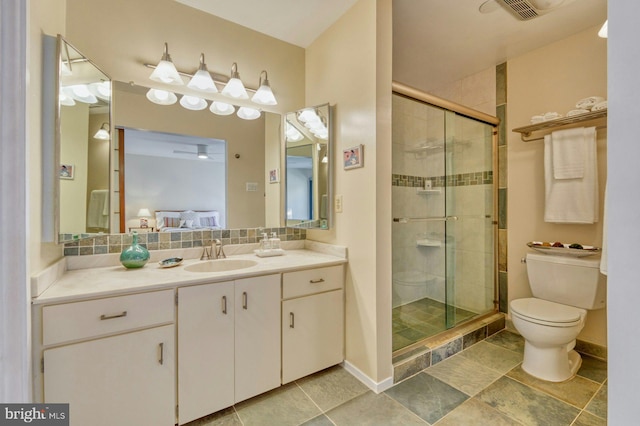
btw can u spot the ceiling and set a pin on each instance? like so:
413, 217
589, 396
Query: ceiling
434, 41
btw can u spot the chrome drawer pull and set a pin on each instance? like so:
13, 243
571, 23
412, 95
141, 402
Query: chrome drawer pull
321, 280
108, 317
224, 305
245, 300
161, 347
292, 320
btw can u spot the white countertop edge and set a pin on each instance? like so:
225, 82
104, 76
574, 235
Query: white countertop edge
43, 279
109, 280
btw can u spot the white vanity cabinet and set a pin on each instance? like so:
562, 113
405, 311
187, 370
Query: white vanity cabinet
228, 343
312, 321
112, 360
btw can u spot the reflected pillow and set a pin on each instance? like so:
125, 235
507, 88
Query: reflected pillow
208, 222
186, 223
190, 215
171, 222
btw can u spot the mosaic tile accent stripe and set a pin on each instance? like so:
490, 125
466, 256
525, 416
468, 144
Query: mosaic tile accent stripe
462, 179
501, 112
115, 243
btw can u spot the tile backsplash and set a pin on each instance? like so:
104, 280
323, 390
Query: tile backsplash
115, 243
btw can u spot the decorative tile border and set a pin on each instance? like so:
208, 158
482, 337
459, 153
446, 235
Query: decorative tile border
462, 179
115, 243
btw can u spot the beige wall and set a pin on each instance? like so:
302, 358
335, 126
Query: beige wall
350, 66
46, 17
477, 91
131, 33
551, 78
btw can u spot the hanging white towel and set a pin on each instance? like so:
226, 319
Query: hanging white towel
569, 153
98, 211
572, 200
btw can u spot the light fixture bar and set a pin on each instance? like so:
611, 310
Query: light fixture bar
217, 78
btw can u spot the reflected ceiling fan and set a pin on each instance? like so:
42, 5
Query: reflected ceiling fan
202, 152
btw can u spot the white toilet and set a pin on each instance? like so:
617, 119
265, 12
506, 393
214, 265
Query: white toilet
563, 288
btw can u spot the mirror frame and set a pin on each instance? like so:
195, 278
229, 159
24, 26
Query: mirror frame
330, 170
57, 145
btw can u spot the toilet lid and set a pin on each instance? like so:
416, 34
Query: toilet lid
543, 310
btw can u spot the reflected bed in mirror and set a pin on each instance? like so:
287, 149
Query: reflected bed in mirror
82, 145
308, 141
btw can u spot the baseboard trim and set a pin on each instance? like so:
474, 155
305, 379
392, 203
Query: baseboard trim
377, 387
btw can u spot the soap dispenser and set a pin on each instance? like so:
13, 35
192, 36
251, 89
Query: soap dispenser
275, 241
265, 244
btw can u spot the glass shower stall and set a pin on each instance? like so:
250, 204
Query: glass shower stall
444, 219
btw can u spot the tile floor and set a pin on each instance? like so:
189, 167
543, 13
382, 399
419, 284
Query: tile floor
423, 318
482, 385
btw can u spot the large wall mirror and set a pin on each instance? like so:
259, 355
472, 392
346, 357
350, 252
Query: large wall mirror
308, 142
82, 145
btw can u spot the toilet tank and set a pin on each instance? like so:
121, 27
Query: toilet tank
567, 280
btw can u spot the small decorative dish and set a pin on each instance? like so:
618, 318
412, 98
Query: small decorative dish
170, 262
269, 253
565, 250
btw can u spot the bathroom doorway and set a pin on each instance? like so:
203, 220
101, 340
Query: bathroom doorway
444, 216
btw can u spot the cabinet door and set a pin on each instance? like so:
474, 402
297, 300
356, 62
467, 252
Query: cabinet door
122, 380
205, 349
312, 334
257, 335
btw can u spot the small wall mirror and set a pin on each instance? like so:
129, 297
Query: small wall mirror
82, 146
308, 147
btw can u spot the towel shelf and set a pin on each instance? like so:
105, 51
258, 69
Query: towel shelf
526, 131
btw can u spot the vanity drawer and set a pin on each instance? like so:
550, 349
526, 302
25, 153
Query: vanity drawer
302, 283
93, 318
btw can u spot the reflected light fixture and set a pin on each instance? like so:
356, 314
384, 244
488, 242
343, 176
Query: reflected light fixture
221, 108
234, 88
161, 97
193, 103
264, 95
65, 99
325, 159
103, 132
202, 80
604, 31
247, 113
81, 93
166, 72
101, 89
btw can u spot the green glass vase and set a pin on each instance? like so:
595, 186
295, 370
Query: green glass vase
135, 256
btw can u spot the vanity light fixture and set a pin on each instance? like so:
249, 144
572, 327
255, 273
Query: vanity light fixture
604, 31
103, 132
325, 159
81, 93
264, 95
221, 108
247, 113
161, 97
193, 103
234, 88
101, 89
165, 71
293, 135
65, 99
202, 80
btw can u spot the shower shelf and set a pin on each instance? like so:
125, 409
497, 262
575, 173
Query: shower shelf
428, 191
422, 150
425, 242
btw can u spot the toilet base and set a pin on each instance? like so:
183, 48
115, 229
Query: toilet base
555, 364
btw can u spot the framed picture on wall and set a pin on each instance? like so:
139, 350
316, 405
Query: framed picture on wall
353, 157
274, 176
66, 171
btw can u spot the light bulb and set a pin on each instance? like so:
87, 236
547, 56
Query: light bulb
221, 108
193, 103
161, 97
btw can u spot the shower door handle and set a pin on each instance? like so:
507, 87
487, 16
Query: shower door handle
424, 219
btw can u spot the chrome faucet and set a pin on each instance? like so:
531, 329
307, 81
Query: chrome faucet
217, 251
206, 253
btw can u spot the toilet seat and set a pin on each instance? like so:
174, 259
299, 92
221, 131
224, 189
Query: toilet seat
547, 313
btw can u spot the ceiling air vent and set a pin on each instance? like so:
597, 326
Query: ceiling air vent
521, 8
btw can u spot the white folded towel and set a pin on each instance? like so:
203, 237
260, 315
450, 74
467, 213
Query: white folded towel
599, 106
572, 200
589, 102
569, 153
98, 211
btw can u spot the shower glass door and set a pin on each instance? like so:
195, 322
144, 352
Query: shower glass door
443, 229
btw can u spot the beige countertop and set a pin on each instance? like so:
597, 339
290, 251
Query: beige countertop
104, 281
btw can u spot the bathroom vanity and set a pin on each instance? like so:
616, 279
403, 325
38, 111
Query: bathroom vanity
165, 346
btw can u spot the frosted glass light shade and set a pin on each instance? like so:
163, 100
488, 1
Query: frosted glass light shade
161, 97
235, 89
247, 113
166, 73
221, 108
103, 132
308, 115
202, 81
144, 213
81, 93
101, 89
193, 103
604, 31
264, 95
65, 99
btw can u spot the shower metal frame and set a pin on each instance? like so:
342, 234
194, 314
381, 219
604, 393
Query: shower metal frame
418, 95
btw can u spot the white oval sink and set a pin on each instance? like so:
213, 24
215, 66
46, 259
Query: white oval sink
220, 265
